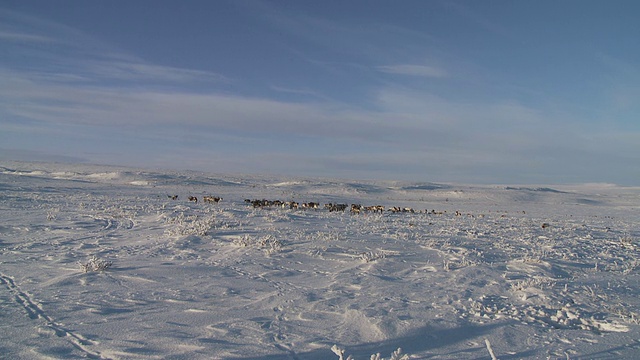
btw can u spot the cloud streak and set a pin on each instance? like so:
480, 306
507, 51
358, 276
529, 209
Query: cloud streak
136, 71
22, 37
414, 70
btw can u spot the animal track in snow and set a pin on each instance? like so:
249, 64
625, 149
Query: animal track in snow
35, 312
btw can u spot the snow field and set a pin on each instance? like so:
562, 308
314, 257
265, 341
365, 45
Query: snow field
223, 281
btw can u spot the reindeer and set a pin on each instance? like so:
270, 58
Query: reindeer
259, 203
375, 208
173, 197
211, 199
335, 207
355, 208
193, 198
291, 204
310, 205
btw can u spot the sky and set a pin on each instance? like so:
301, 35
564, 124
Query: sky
490, 92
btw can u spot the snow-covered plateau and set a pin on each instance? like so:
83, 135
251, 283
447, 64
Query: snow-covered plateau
117, 263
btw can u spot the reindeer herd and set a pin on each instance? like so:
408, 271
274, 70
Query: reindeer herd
354, 208
331, 207
207, 199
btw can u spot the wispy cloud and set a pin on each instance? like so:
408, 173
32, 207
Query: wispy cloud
135, 71
303, 92
22, 37
79, 58
414, 121
414, 70
101, 106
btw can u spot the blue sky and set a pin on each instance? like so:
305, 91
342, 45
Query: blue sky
452, 91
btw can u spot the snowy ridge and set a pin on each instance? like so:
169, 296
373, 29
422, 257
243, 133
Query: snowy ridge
526, 271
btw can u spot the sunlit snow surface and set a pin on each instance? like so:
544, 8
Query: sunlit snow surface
539, 271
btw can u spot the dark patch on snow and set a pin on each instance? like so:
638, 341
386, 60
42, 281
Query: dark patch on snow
426, 186
538, 189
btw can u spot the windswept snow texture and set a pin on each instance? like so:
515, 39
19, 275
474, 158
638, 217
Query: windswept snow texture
100, 262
